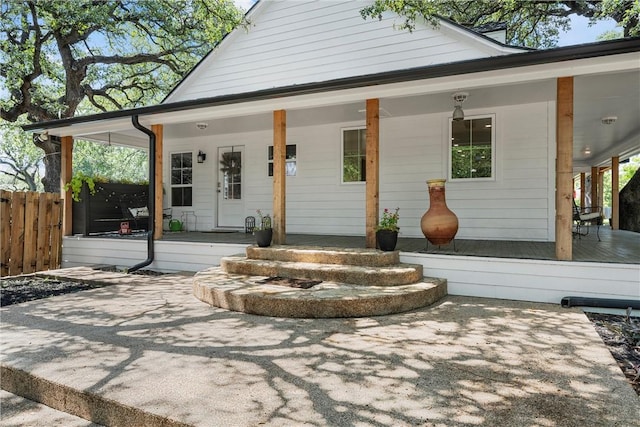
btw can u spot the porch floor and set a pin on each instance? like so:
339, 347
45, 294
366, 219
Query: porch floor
616, 246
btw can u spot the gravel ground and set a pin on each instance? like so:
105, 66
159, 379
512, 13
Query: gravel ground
620, 334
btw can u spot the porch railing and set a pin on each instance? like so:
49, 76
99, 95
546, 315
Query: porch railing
30, 232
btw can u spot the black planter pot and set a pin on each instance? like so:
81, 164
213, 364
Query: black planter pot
387, 240
263, 237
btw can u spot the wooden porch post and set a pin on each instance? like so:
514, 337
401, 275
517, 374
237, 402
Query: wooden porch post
372, 171
564, 168
595, 178
582, 195
66, 173
615, 193
279, 176
158, 194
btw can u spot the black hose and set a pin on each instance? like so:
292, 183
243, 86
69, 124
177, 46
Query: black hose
599, 302
152, 196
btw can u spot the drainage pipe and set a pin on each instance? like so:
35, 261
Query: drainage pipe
600, 302
152, 196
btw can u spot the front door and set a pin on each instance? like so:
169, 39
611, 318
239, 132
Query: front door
230, 188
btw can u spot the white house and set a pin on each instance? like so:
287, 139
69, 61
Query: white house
323, 118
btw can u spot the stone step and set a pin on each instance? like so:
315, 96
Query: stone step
328, 299
395, 275
325, 255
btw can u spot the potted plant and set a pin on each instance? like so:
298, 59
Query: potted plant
263, 230
387, 230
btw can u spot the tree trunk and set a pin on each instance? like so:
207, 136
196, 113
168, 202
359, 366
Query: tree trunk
52, 159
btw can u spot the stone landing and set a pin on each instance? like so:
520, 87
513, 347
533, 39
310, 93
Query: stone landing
353, 283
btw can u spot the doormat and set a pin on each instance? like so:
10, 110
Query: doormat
222, 231
289, 282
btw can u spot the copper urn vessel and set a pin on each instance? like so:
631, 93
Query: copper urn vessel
439, 225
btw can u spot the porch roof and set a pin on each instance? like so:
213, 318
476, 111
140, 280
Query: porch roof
598, 94
562, 57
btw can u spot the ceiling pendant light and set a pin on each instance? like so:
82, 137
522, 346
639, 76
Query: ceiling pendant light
459, 98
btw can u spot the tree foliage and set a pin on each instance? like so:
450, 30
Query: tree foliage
64, 57
110, 163
21, 162
529, 23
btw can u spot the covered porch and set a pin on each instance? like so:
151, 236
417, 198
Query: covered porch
546, 109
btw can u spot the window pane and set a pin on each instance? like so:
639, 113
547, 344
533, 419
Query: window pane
471, 148
291, 152
291, 168
270, 153
270, 169
176, 196
187, 161
186, 196
176, 161
354, 155
351, 171
482, 131
176, 177
481, 162
351, 142
460, 134
187, 176
236, 191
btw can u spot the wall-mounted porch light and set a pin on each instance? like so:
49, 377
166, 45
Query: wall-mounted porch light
201, 156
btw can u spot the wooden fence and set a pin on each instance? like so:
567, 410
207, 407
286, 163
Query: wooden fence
30, 233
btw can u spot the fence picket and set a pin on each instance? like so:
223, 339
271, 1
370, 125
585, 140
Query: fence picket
5, 231
31, 220
57, 209
30, 233
17, 233
44, 232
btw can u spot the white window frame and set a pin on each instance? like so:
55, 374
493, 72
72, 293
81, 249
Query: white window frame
449, 146
172, 186
342, 130
286, 161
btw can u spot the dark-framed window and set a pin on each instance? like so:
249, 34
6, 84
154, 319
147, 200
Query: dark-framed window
354, 159
472, 148
182, 179
291, 162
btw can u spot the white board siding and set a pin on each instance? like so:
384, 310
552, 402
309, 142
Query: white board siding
517, 279
297, 42
169, 256
529, 280
515, 206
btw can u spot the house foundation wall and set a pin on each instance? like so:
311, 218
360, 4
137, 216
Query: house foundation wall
502, 278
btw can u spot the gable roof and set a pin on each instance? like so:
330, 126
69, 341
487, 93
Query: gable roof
299, 42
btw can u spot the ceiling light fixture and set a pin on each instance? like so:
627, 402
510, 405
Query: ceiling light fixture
202, 125
459, 98
609, 120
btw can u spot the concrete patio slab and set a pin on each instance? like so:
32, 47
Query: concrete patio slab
146, 351
18, 411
